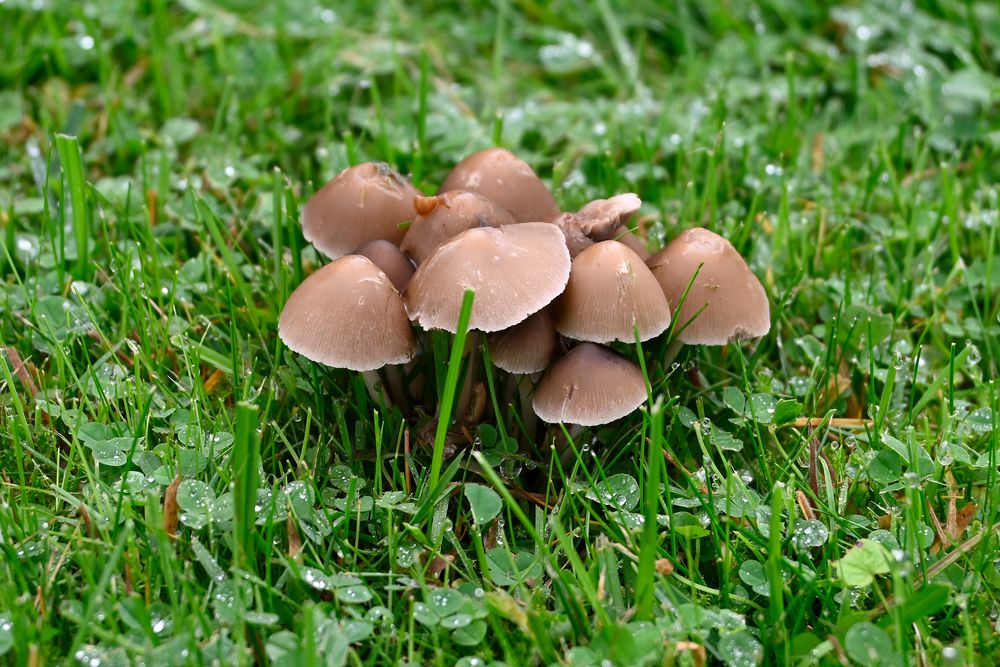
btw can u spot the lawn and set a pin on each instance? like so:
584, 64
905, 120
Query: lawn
177, 487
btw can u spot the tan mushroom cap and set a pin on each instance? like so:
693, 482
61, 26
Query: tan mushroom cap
515, 270
601, 219
451, 213
735, 302
348, 315
360, 204
390, 259
500, 175
576, 240
589, 386
611, 292
526, 347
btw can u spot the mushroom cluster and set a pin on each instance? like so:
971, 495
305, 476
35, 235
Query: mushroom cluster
554, 290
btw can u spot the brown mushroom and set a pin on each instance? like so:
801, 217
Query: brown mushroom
515, 271
390, 260
589, 386
599, 220
503, 177
526, 347
348, 315
360, 204
610, 294
446, 215
732, 301
576, 240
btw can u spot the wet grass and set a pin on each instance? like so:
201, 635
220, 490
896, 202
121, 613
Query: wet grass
179, 488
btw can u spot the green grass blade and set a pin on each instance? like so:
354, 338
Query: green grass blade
450, 388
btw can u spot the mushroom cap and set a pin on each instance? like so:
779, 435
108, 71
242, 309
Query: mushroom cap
500, 175
452, 213
589, 386
390, 259
360, 204
526, 347
611, 292
735, 302
515, 270
576, 240
601, 218
348, 315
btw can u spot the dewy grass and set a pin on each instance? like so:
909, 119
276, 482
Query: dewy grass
826, 497
448, 394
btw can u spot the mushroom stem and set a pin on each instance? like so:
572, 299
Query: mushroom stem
567, 454
672, 350
525, 385
397, 387
464, 399
376, 390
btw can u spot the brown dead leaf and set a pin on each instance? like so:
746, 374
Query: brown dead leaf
20, 369
40, 602
818, 154
85, 518
697, 652
962, 521
294, 539
213, 381
804, 505
151, 197
439, 564
129, 588
664, 567
170, 508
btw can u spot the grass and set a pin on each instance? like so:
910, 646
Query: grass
155, 158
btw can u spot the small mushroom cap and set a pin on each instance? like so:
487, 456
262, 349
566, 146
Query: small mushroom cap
526, 347
348, 315
735, 302
601, 219
576, 240
589, 386
611, 292
390, 260
452, 213
500, 175
515, 270
360, 204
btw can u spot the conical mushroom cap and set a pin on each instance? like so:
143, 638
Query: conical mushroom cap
589, 386
348, 315
735, 302
390, 260
610, 293
452, 213
526, 347
515, 270
501, 176
360, 204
